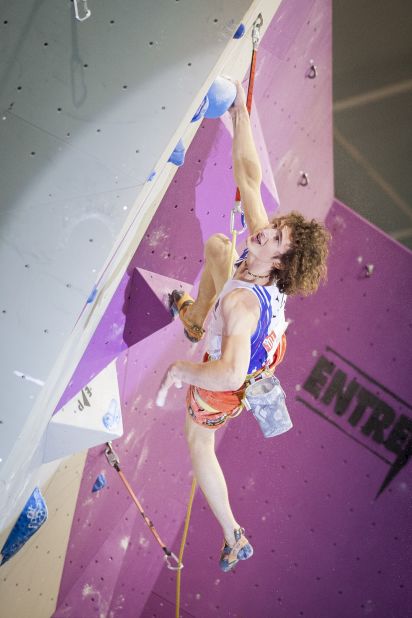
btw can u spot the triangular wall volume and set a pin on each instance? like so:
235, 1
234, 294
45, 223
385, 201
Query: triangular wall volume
91, 417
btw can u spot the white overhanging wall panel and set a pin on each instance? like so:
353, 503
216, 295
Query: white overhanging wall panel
88, 111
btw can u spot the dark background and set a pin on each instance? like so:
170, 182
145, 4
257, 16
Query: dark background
372, 57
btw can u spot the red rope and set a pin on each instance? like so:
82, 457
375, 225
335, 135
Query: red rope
251, 82
249, 98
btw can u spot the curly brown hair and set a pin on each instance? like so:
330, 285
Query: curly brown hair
303, 266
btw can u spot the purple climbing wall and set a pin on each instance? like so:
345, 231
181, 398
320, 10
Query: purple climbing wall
326, 505
294, 103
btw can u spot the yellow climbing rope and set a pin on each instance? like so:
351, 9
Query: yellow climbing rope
182, 545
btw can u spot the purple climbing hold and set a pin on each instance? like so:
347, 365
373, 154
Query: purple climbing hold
239, 32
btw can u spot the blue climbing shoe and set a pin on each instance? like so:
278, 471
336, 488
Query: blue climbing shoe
241, 550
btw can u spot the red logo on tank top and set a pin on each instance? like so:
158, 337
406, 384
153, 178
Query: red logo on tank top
269, 342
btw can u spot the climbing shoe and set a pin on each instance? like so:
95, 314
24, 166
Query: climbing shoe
179, 301
241, 550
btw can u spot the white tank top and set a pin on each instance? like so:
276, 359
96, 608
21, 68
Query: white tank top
270, 327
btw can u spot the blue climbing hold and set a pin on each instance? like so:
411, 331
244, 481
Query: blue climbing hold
178, 155
92, 295
113, 416
201, 111
152, 175
30, 520
99, 483
239, 32
221, 95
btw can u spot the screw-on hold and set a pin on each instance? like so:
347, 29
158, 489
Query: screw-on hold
304, 179
239, 32
92, 295
369, 268
313, 71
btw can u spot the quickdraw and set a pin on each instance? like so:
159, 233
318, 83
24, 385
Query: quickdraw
114, 461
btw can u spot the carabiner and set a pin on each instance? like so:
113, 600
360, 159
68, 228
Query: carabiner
86, 9
237, 209
256, 30
112, 456
179, 566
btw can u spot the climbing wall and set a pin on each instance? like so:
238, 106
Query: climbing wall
90, 114
326, 505
152, 452
170, 254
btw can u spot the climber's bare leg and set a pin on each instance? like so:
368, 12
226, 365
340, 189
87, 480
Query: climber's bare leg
214, 276
209, 475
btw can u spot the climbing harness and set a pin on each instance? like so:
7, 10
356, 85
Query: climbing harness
114, 461
237, 209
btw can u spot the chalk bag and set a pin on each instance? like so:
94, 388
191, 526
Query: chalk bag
267, 401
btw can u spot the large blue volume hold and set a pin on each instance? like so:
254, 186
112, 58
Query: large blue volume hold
30, 520
221, 95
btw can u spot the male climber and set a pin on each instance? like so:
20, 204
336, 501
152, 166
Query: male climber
246, 333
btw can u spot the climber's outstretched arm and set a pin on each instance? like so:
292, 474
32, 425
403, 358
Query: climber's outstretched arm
246, 164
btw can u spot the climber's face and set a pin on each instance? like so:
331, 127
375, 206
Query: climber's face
270, 243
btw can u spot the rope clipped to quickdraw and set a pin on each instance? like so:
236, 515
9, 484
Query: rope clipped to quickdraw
114, 461
237, 209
